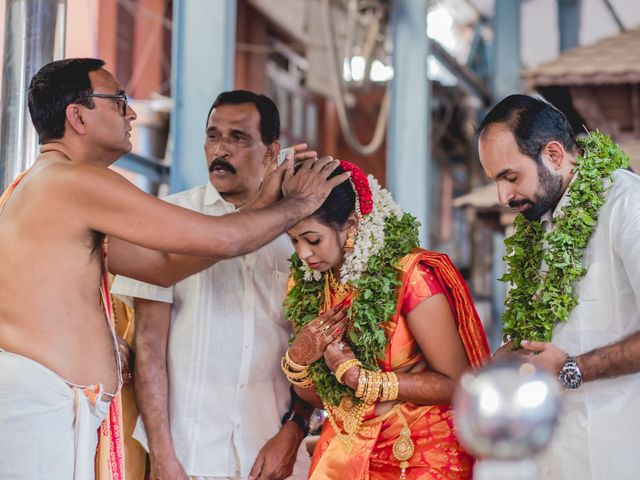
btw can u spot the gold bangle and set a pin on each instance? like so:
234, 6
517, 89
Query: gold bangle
362, 382
384, 395
375, 381
300, 378
307, 383
293, 365
344, 367
378, 389
368, 385
394, 388
293, 375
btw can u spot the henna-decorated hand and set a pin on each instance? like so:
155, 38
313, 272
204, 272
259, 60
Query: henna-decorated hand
338, 352
311, 342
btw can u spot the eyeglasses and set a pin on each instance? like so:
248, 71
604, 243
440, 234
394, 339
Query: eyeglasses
120, 98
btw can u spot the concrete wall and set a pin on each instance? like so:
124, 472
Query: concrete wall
539, 35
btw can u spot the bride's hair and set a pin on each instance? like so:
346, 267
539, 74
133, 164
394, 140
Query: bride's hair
335, 210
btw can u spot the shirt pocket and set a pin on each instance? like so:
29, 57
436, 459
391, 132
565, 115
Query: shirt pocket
277, 295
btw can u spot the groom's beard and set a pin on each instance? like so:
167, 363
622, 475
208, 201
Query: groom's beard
550, 191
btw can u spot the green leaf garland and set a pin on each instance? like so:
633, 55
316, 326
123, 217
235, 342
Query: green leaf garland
537, 302
370, 309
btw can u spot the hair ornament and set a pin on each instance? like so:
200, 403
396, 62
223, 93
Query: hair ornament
373, 206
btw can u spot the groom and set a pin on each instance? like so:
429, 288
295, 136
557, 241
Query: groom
528, 148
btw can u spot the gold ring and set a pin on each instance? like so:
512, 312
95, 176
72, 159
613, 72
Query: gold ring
325, 328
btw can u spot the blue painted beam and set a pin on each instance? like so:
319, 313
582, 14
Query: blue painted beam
569, 23
507, 63
202, 67
408, 150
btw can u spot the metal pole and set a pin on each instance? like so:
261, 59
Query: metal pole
569, 23
506, 75
34, 36
202, 67
408, 140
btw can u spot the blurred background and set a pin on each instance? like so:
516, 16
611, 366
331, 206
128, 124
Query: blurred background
395, 86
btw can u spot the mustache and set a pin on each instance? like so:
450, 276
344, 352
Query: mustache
519, 203
220, 162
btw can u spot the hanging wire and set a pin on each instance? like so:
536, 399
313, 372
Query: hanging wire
339, 94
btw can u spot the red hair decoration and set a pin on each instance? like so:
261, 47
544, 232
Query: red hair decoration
361, 187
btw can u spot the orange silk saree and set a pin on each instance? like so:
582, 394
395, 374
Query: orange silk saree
437, 454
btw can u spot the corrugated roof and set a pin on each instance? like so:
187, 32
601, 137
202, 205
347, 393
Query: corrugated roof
613, 60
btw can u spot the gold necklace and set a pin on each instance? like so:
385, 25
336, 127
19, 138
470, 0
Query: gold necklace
331, 285
351, 416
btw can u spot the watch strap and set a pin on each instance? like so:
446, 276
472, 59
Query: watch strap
292, 416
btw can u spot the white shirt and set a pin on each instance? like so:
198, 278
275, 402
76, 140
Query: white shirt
227, 335
597, 436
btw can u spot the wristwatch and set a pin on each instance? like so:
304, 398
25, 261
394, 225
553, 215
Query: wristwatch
570, 375
302, 422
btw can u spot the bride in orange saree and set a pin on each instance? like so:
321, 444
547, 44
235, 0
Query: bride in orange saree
384, 330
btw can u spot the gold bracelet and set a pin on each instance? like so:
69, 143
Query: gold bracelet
293, 365
308, 383
301, 378
344, 368
369, 385
378, 390
291, 374
375, 382
384, 395
363, 379
394, 388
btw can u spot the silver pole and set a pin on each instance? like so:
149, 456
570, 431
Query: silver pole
409, 165
34, 36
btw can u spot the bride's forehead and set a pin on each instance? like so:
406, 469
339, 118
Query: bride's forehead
309, 225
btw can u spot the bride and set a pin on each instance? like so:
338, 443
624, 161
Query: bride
384, 330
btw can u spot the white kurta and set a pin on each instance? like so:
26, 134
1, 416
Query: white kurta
227, 393
598, 434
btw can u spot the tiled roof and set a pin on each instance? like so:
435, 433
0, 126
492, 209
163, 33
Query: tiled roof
613, 60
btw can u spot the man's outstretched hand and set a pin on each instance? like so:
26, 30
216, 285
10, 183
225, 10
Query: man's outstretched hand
310, 185
271, 188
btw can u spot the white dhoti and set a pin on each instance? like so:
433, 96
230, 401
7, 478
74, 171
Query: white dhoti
48, 427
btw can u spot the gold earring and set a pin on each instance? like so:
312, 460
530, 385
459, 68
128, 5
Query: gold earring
350, 241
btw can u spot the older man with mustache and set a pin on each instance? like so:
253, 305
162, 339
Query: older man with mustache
212, 398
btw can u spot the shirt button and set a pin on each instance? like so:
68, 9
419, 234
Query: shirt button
242, 385
246, 345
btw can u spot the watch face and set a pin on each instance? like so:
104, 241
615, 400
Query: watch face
570, 376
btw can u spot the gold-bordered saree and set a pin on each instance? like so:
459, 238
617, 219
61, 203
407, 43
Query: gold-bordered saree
437, 454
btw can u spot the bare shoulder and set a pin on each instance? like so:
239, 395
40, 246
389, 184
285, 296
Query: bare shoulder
63, 192
72, 178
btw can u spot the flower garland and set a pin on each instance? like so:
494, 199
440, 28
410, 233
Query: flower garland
538, 301
371, 225
383, 237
